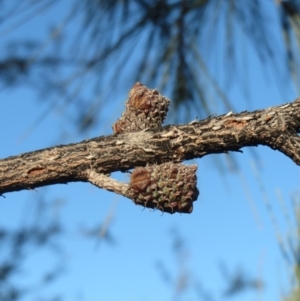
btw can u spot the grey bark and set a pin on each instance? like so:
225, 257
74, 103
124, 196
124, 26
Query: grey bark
276, 127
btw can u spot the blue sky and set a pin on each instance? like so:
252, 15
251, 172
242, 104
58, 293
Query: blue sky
230, 225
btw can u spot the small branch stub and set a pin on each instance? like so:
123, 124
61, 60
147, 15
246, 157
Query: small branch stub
145, 109
168, 187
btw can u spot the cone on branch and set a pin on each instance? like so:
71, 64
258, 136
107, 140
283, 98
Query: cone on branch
169, 187
145, 109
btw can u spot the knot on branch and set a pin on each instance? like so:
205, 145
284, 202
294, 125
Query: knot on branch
145, 109
168, 187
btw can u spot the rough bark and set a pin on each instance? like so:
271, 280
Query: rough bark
91, 160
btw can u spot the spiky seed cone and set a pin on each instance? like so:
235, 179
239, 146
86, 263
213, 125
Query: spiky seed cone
168, 187
145, 109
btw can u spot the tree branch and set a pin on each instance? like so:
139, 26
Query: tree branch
276, 127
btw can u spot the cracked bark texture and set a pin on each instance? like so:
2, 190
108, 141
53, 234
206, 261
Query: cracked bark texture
276, 127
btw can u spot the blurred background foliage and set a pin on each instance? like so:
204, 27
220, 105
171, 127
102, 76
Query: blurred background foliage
191, 50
